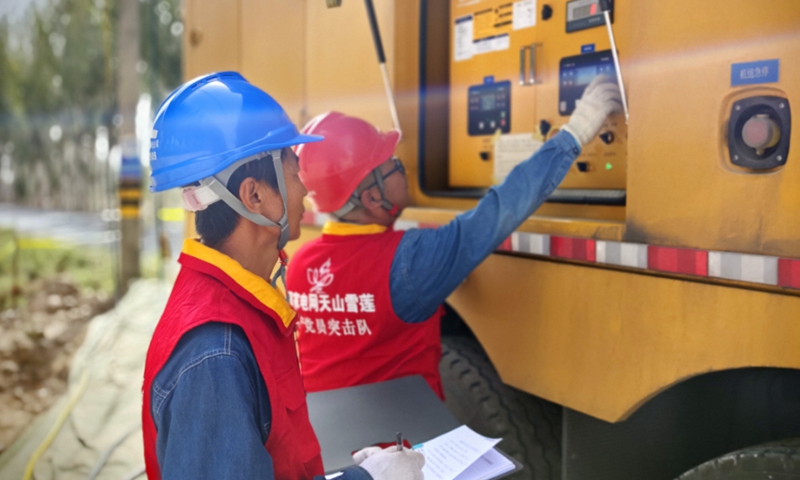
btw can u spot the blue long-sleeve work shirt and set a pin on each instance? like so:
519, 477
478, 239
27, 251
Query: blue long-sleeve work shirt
430, 263
209, 402
212, 412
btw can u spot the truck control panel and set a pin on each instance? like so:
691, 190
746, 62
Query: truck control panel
517, 70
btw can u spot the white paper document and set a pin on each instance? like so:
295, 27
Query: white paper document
462, 43
511, 150
491, 465
524, 14
450, 455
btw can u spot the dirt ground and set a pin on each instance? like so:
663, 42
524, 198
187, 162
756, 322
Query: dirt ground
37, 342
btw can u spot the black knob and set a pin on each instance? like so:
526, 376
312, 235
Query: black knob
484, 156
547, 12
607, 137
544, 127
582, 166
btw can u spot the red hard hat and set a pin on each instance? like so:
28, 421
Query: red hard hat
332, 169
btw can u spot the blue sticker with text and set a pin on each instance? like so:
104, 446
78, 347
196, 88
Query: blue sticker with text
587, 48
750, 73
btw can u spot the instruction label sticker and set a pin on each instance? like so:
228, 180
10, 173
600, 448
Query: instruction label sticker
524, 14
511, 150
751, 73
462, 41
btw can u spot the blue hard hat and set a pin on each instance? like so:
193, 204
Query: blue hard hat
209, 123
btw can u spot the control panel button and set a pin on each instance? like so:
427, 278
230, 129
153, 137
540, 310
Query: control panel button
760, 133
607, 137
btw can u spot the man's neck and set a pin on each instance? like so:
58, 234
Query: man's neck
366, 217
254, 247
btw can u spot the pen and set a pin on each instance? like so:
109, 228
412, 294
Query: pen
399, 442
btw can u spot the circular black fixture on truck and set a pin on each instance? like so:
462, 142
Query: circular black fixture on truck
547, 12
758, 132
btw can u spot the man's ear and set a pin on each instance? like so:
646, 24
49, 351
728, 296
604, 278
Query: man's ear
254, 195
370, 199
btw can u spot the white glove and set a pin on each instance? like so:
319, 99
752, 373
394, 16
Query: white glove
599, 99
389, 464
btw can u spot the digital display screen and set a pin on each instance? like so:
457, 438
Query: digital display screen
584, 75
488, 102
581, 10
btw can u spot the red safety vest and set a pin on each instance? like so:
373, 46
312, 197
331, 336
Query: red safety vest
213, 287
348, 332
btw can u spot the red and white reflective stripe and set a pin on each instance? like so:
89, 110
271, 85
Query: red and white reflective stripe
678, 260
632, 255
789, 273
534, 243
573, 248
761, 269
747, 268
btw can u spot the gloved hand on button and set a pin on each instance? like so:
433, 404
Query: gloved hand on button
390, 464
600, 98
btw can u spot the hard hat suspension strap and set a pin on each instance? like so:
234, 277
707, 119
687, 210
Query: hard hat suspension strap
355, 202
381, 188
218, 182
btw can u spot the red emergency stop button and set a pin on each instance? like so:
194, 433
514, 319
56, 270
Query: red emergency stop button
760, 132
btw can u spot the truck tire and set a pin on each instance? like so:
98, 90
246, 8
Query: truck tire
771, 461
530, 427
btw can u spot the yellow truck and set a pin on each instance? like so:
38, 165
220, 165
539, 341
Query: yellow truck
645, 322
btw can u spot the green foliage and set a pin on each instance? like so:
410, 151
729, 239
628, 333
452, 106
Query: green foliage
31, 259
58, 71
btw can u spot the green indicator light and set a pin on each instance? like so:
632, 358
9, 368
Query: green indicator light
609, 166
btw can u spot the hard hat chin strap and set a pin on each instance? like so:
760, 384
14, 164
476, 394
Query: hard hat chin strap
218, 184
355, 201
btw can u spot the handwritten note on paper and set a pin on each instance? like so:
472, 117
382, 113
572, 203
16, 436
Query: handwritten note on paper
510, 151
448, 455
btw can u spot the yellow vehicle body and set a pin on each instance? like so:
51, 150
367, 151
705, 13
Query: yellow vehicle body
598, 338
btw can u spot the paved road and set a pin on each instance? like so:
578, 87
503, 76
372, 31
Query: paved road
80, 228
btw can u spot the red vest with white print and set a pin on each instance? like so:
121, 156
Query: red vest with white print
212, 287
348, 333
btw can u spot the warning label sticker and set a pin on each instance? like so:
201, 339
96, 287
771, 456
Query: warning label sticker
524, 14
462, 41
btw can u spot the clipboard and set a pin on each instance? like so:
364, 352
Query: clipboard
349, 419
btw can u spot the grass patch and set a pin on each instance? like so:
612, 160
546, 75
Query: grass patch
24, 260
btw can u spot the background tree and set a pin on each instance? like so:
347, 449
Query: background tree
57, 95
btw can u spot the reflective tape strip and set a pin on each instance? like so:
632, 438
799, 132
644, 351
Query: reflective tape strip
789, 273
130, 193
534, 243
129, 212
761, 269
623, 254
747, 268
678, 260
573, 248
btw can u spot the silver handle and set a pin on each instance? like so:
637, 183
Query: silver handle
531, 57
615, 55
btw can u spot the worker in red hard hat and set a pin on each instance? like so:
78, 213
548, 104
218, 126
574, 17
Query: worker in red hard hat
369, 297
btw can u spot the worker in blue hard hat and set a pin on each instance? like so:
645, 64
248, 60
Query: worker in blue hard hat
223, 394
